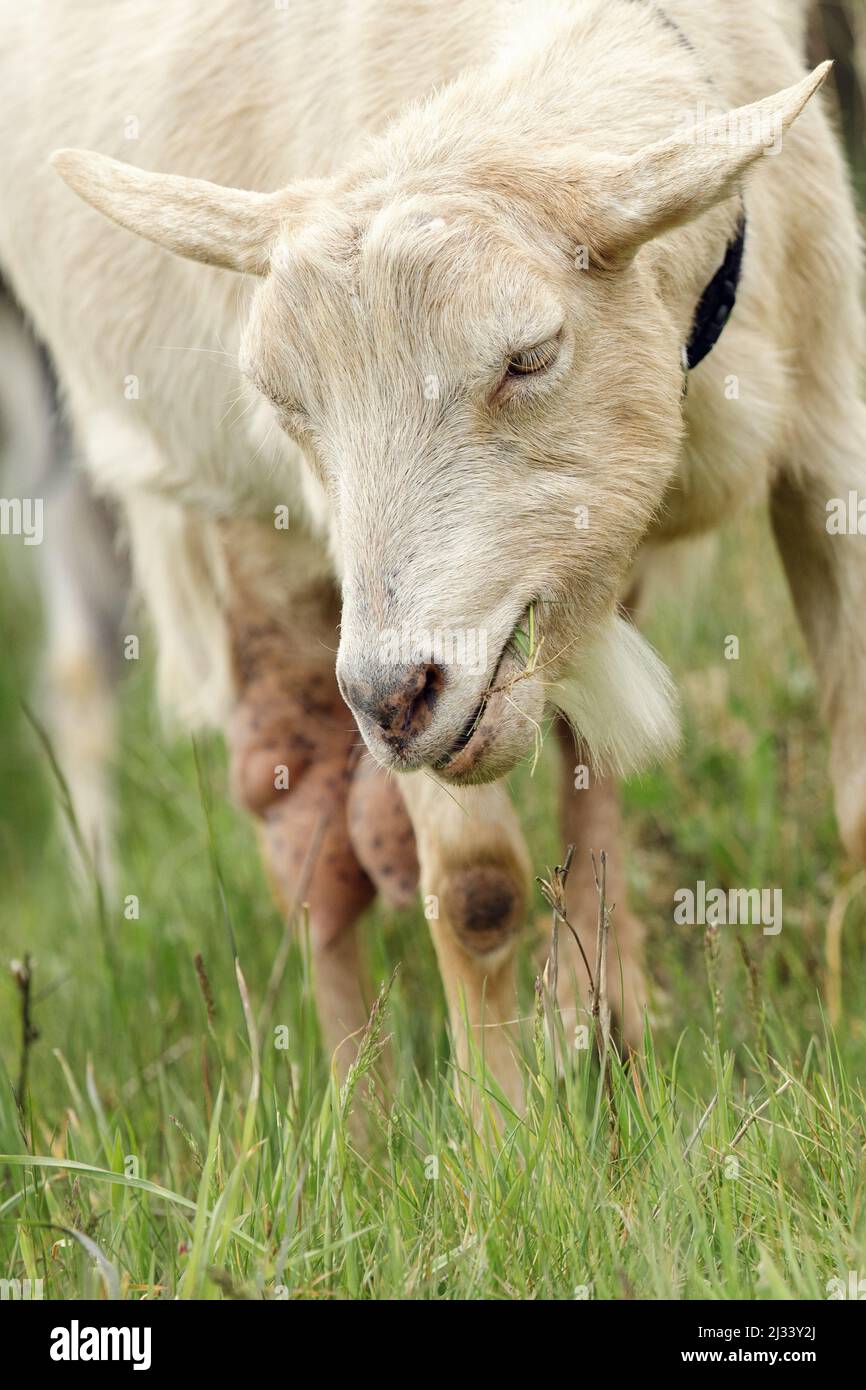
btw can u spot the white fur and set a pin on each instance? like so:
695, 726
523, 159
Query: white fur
621, 699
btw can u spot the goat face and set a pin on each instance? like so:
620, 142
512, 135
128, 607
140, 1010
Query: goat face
494, 422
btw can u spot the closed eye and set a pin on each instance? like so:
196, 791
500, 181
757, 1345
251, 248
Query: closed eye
288, 410
533, 360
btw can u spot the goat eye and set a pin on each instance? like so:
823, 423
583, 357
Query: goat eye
531, 361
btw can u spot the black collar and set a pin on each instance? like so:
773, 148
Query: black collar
717, 301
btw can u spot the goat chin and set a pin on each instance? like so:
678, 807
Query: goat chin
621, 700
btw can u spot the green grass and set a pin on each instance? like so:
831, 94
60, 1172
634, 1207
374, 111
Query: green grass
151, 1160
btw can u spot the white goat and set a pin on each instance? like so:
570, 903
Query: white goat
485, 238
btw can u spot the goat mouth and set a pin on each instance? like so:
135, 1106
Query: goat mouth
469, 744
468, 731
477, 732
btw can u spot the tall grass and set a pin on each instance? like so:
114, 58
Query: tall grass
175, 1141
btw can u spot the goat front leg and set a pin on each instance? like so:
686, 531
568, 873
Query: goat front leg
474, 880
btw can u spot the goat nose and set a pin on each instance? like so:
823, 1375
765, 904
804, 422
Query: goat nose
399, 703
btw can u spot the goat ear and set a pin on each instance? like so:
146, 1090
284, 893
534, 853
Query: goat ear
637, 197
228, 227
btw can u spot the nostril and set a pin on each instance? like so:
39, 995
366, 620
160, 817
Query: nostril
401, 703
408, 709
433, 683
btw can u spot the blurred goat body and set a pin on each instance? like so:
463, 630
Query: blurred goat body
82, 576
463, 322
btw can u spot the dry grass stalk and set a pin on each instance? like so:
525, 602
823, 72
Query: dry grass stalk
555, 895
22, 973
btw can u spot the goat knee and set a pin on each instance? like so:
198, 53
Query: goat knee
484, 906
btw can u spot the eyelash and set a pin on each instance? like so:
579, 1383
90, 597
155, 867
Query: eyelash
533, 361
525, 367
292, 419
288, 411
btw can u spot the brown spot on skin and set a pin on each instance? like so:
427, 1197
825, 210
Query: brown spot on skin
268, 729
381, 832
290, 712
483, 904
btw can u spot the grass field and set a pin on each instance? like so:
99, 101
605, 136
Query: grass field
163, 1152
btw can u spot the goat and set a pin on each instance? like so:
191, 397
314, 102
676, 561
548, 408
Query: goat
488, 250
